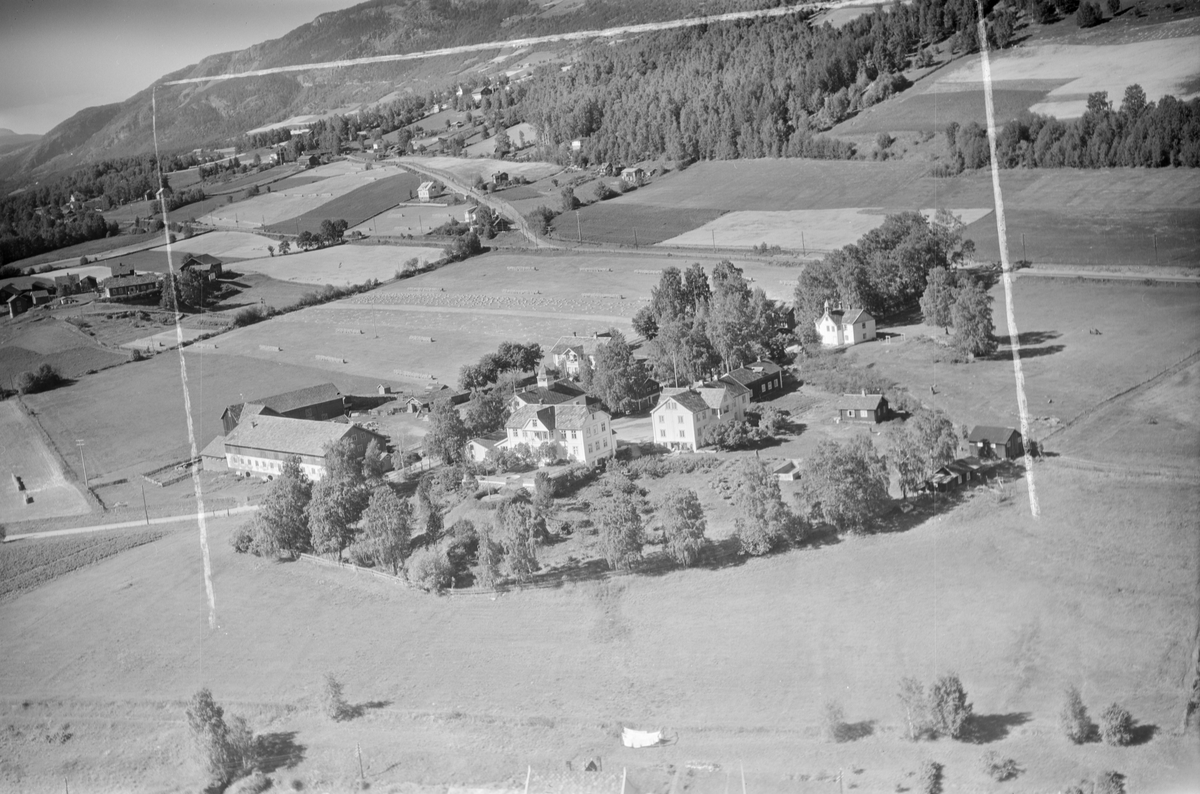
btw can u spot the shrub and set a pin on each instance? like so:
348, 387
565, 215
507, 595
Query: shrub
42, 379
1109, 782
251, 315
1116, 726
1074, 718
540, 219
948, 706
242, 539
997, 768
603, 192
333, 702
226, 750
429, 569
929, 777
833, 722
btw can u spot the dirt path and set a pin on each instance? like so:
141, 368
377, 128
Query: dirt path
55, 533
416, 307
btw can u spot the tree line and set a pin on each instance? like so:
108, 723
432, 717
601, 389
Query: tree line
1138, 133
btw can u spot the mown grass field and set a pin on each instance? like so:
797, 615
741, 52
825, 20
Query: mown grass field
356, 206
735, 662
89, 249
27, 564
620, 222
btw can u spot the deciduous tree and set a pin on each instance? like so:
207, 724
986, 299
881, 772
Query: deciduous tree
764, 523
938, 299
683, 525
618, 374
948, 706
845, 485
447, 436
484, 412
387, 528
281, 523
516, 529
974, 333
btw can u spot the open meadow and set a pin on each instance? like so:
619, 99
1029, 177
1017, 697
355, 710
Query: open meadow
223, 245
797, 230
1067, 369
467, 168
356, 206
1103, 217
555, 673
287, 203
24, 454
340, 265
30, 341
411, 219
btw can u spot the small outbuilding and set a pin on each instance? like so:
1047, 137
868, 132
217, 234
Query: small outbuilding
633, 176
788, 471
1003, 443
871, 408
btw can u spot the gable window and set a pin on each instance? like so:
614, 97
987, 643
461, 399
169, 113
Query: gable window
662, 433
680, 420
662, 419
683, 434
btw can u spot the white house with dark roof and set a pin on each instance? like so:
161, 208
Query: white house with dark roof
548, 392
845, 327
683, 418
568, 351
583, 433
260, 444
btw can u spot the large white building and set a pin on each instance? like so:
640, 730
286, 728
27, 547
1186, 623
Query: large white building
260, 444
683, 418
845, 327
583, 433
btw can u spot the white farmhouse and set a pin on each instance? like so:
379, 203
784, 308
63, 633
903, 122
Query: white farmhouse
845, 327
683, 418
260, 444
583, 433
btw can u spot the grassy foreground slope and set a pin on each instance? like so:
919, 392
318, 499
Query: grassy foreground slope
737, 662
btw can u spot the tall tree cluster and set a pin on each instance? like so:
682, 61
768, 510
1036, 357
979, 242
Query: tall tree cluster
886, 269
1138, 133
696, 328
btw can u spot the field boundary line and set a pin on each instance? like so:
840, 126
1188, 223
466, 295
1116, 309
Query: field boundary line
1178, 366
141, 522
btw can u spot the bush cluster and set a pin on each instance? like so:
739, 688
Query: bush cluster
42, 379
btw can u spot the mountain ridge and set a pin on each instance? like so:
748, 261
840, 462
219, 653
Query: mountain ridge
208, 113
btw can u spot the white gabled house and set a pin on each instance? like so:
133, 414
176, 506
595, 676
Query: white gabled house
683, 418
583, 433
845, 327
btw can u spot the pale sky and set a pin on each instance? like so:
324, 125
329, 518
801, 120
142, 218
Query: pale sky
60, 56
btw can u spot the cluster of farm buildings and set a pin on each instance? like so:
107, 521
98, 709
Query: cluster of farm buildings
123, 284
549, 410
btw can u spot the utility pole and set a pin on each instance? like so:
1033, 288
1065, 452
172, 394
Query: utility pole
635, 243
1024, 258
357, 751
145, 509
803, 247
578, 228
714, 239
79, 442
1156, 249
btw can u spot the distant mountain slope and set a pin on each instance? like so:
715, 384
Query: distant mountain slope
193, 115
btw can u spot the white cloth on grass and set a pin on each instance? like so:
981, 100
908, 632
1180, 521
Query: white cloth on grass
633, 738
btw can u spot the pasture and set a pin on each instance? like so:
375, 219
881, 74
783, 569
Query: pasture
340, 265
24, 454
797, 230
27, 564
151, 391
33, 340
1067, 369
411, 219
356, 206
516, 134
556, 672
